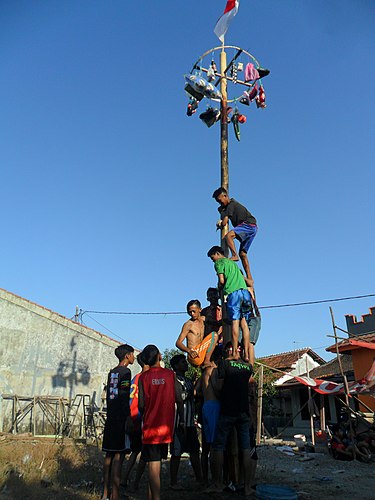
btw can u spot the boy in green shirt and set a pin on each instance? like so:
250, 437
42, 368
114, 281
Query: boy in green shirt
238, 302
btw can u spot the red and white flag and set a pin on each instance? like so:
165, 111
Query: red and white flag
223, 23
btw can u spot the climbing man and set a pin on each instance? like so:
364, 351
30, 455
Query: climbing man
244, 228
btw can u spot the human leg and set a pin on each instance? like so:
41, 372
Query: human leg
195, 463
154, 479
235, 336
139, 473
248, 346
207, 358
174, 466
248, 471
107, 475
246, 234
217, 471
204, 459
229, 238
224, 427
117, 461
129, 466
246, 267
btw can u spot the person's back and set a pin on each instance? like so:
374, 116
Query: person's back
234, 279
159, 405
156, 403
234, 394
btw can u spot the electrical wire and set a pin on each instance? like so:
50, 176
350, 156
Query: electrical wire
295, 304
111, 332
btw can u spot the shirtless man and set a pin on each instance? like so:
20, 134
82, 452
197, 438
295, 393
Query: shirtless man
198, 347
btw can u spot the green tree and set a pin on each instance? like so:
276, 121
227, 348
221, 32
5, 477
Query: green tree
193, 373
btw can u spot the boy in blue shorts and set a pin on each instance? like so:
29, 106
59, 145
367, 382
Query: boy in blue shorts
244, 228
239, 304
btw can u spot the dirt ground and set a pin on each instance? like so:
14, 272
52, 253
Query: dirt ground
37, 468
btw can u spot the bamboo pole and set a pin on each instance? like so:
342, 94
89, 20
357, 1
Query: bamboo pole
346, 387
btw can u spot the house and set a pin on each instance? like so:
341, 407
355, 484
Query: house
327, 407
361, 346
290, 396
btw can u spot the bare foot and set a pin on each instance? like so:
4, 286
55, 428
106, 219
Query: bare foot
234, 257
234, 357
206, 365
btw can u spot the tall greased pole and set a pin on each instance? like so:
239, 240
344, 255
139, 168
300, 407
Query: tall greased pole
224, 130
224, 171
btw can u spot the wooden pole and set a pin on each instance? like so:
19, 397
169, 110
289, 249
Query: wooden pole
311, 416
322, 413
346, 387
224, 174
260, 405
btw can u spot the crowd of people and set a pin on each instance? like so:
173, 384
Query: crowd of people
160, 410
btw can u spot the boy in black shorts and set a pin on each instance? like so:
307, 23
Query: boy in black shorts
118, 417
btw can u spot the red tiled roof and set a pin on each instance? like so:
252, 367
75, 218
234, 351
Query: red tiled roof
285, 360
345, 346
332, 368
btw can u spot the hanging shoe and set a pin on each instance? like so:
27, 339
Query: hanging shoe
229, 110
192, 106
210, 116
249, 95
263, 72
191, 90
261, 98
253, 92
236, 126
245, 99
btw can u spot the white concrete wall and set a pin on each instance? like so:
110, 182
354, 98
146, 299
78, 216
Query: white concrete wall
44, 353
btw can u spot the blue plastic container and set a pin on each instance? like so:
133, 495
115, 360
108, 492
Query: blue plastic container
275, 492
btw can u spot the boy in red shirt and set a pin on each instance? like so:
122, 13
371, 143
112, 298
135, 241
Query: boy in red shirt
156, 402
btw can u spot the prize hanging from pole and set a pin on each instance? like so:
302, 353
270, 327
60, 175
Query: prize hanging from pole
243, 76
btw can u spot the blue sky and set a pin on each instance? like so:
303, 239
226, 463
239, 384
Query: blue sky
106, 183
